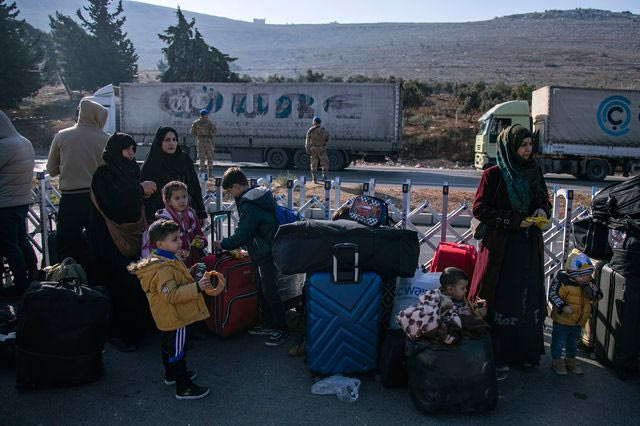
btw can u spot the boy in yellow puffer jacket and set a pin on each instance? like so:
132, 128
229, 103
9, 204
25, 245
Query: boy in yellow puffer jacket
571, 294
175, 302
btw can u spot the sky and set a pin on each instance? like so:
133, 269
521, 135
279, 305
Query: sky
358, 11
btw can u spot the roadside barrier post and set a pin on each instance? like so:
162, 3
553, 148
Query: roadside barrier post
327, 199
566, 232
44, 218
336, 192
290, 186
406, 201
445, 211
302, 184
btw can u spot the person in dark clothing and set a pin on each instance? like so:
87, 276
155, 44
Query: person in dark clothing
165, 163
115, 232
75, 154
509, 271
16, 173
256, 229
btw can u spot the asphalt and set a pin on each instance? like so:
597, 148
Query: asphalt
394, 175
253, 384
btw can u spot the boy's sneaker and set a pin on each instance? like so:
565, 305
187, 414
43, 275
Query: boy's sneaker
277, 338
172, 381
573, 366
559, 367
260, 330
192, 391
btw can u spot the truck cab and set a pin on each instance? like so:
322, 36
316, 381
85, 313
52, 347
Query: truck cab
492, 123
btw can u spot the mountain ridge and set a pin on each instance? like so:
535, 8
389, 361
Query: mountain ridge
577, 47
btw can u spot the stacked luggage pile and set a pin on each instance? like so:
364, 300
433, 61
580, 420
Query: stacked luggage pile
351, 329
612, 234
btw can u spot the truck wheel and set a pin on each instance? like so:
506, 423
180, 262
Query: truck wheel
301, 160
337, 161
278, 158
597, 170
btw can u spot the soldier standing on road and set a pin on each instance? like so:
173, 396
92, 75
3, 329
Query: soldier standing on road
204, 130
316, 147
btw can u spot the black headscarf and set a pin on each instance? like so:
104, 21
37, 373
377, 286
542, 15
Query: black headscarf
162, 168
158, 160
112, 155
116, 184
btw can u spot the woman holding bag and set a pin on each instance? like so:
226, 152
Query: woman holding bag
117, 222
509, 271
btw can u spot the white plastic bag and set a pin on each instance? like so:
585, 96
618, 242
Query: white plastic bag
345, 388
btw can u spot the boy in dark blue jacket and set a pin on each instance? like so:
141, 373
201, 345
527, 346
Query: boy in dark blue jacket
255, 231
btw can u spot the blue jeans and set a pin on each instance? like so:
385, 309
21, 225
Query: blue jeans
564, 336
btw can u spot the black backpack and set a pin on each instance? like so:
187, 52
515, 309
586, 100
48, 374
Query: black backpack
618, 201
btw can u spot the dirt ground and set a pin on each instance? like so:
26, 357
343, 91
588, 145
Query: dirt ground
394, 195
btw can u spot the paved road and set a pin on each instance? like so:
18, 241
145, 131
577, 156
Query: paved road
253, 384
461, 178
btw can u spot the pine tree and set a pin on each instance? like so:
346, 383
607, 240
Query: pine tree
114, 54
20, 74
190, 58
73, 57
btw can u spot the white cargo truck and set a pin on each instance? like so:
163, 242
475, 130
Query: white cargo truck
589, 133
266, 122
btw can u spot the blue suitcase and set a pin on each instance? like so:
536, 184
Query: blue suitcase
343, 316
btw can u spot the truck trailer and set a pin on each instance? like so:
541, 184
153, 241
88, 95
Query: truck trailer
267, 122
589, 133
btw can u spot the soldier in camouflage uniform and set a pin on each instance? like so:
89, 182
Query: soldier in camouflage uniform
316, 147
204, 130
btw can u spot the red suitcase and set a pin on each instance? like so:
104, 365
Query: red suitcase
461, 256
236, 308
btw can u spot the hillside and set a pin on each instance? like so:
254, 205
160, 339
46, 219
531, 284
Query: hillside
582, 47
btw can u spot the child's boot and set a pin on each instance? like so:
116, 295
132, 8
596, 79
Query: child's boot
185, 388
559, 367
574, 366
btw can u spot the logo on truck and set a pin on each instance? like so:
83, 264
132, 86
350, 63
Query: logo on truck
614, 115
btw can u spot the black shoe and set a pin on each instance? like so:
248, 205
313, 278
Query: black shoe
191, 391
277, 338
123, 346
260, 330
172, 381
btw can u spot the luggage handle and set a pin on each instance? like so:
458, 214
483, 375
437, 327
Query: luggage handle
340, 277
214, 227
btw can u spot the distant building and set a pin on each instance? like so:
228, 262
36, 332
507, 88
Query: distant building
259, 21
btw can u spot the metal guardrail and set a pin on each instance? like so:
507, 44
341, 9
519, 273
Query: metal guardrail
557, 237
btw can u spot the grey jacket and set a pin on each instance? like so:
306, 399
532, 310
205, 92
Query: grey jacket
17, 160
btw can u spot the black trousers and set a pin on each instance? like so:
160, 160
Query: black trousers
73, 218
273, 314
174, 355
16, 249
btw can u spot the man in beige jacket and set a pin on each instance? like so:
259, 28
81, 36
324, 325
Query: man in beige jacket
75, 154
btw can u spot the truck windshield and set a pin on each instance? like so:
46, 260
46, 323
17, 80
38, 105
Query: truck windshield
483, 127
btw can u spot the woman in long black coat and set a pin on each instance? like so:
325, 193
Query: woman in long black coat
509, 272
166, 162
117, 196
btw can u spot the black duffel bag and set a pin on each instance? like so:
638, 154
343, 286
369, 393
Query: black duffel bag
459, 378
618, 200
626, 256
590, 236
61, 332
307, 246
